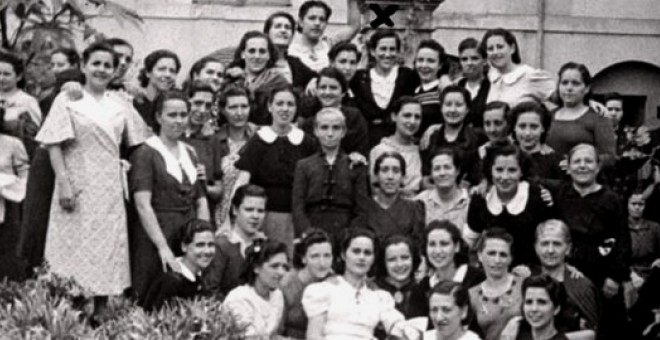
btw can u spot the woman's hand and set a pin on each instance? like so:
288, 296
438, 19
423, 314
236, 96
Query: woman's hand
66, 197
610, 288
637, 281
598, 107
546, 196
426, 137
201, 172
574, 272
168, 260
411, 333
73, 90
356, 158
310, 90
480, 189
235, 72
521, 271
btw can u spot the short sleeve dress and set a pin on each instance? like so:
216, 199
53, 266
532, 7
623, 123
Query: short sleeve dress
90, 243
351, 314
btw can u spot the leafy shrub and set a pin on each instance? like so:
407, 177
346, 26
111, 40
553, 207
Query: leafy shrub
54, 308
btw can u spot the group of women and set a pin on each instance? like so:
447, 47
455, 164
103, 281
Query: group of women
487, 217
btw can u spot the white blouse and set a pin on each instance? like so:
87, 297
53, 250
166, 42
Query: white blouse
352, 314
262, 317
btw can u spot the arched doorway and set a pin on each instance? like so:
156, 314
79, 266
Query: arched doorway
639, 83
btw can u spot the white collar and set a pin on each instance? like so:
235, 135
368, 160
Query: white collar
510, 78
185, 271
269, 136
234, 238
174, 166
459, 276
428, 86
515, 206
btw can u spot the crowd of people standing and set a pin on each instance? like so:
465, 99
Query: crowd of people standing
478, 199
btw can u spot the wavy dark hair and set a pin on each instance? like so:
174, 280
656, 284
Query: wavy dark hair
192, 227
390, 154
309, 4
350, 234
333, 73
508, 37
281, 14
309, 238
503, 149
246, 190
72, 56
260, 252
394, 239
461, 257
238, 54
456, 157
584, 73
152, 59
531, 106
555, 290
343, 46
17, 64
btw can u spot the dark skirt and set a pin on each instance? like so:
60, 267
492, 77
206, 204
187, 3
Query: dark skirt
11, 266
145, 261
36, 210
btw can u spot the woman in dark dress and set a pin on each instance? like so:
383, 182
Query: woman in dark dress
388, 213
198, 248
378, 88
511, 203
598, 222
158, 75
167, 192
270, 158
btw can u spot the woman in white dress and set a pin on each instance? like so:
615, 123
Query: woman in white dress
87, 233
258, 305
449, 302
348, 306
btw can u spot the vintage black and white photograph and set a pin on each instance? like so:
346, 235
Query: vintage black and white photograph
330, 169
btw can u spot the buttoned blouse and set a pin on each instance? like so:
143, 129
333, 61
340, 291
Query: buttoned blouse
436, 209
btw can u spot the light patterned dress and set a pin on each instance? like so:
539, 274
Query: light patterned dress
90, 244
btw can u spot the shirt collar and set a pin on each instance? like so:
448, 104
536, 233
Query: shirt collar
515, 206
429, 86
390, 78
185, 271
510, 78
269, 136
234, 238
462, 198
